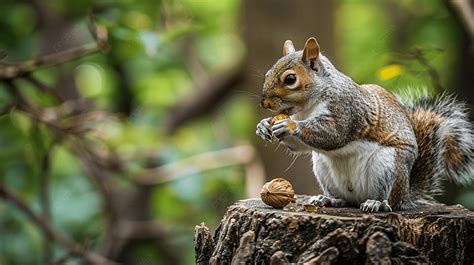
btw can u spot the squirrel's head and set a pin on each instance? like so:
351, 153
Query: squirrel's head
289, 83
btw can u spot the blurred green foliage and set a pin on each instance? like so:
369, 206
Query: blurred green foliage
152, 46
152, 65
373, 37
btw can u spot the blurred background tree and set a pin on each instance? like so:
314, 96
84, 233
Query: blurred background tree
125, 123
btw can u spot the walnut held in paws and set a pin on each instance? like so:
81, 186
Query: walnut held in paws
277, 193
279, 117
282, 116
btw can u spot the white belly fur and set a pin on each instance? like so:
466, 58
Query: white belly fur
360, 166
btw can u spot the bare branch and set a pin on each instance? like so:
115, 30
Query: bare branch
204, 100
49, 232
42, 86
24, 105
99, 33
239, 155
19, 69
13, 70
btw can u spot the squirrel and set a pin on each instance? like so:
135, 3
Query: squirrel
369, 148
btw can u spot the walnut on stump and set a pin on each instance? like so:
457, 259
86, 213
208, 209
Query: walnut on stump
254, 233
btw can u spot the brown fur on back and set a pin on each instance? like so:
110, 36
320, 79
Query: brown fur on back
386, 121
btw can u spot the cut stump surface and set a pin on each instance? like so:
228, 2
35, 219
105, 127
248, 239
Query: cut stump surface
254, 233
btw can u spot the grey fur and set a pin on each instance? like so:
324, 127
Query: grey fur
330, 124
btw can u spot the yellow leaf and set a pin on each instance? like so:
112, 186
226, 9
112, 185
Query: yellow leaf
390, 71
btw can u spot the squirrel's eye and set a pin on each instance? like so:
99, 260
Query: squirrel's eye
290, 79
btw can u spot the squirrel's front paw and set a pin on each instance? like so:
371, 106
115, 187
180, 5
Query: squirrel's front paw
283, 128
374, 206
264, 129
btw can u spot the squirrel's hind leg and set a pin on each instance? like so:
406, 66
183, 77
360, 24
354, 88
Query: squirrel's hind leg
395, 195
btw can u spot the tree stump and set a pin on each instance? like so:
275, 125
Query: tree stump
254, 233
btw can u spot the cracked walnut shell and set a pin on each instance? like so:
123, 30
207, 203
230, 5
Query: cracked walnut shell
277, 193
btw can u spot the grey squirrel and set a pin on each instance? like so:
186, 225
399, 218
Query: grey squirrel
369, 148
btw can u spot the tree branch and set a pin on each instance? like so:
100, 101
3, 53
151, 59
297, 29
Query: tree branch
13, 70
204, 100
42, 87
49, 231
238, 155
47, 118
19, 69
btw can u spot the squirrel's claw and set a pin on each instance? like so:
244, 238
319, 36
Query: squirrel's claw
320, 200
374, 206
323, 200
386, 206
264, 129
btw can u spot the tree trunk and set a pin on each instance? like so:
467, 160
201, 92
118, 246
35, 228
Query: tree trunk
266, 25
252, 232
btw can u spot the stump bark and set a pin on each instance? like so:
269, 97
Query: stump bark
254, 233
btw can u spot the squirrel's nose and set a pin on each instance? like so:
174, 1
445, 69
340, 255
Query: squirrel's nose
266, 103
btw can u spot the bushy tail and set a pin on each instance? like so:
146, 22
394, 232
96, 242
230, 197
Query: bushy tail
445, 144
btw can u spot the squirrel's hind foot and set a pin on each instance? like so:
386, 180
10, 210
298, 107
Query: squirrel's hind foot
374, 206
323, 200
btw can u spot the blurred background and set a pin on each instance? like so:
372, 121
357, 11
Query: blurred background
123, 124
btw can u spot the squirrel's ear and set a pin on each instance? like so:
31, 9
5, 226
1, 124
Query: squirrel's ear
311, 52
288, 47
